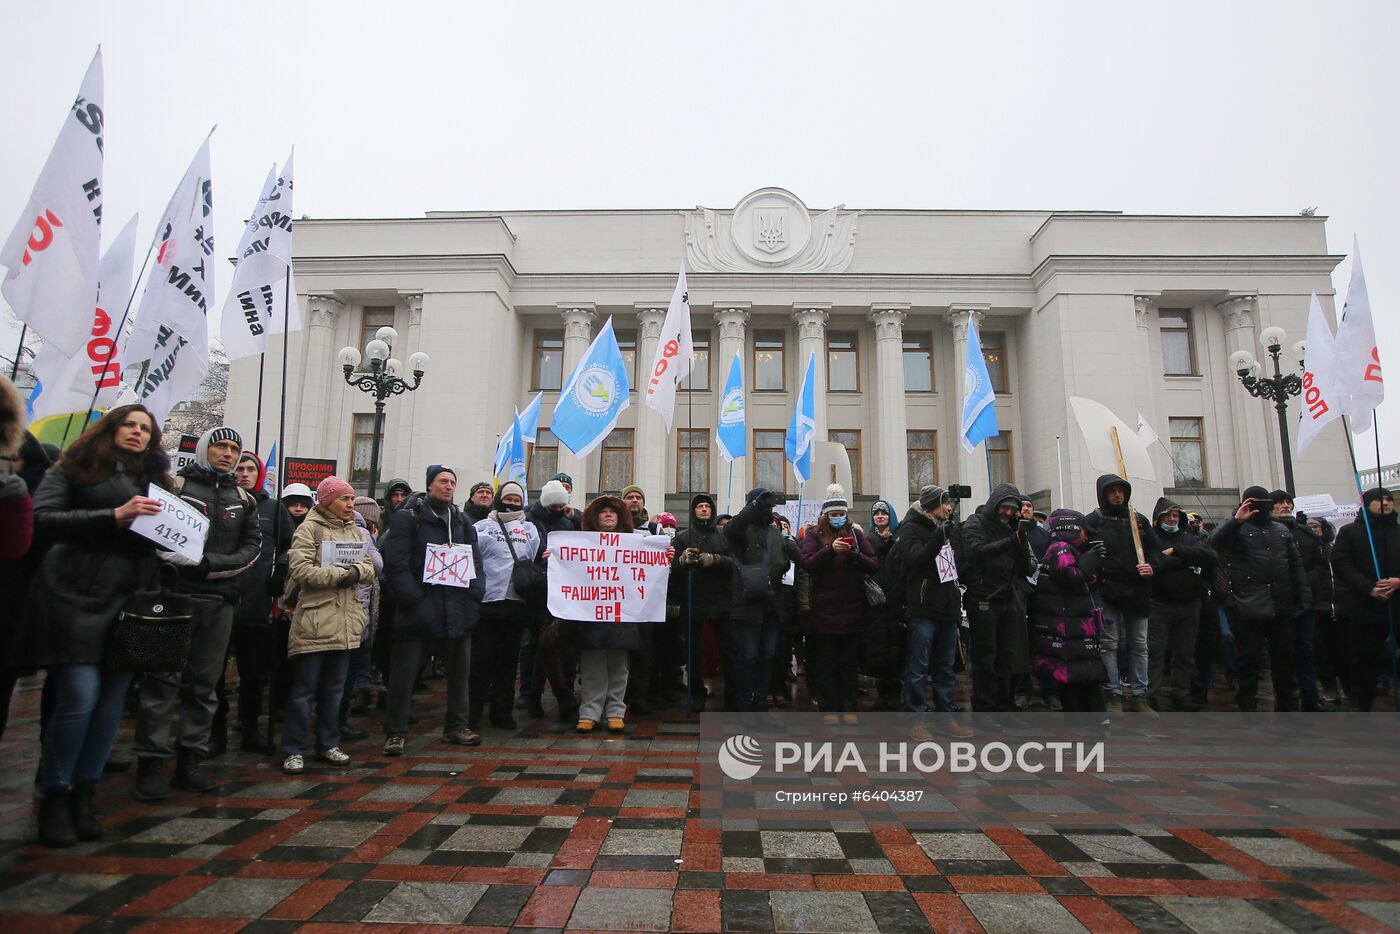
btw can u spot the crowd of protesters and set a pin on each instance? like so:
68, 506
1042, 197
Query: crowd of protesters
1110, 611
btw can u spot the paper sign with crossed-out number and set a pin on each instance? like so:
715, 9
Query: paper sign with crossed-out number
178, 527
449, 565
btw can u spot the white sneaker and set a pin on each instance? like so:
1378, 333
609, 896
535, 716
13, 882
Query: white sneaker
335, 756
293, 765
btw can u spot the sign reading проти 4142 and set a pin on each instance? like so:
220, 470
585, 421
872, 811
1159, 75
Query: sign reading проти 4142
608, 577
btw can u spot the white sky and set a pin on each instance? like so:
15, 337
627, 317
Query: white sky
1211, 108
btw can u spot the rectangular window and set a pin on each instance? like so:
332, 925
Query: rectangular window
1188, 452
548, 372
627, 343
617, 459
370, 322
768, 361
850, 440
699, 378
361, 447
923, 459
1178, 343
692, 460
544, 459
999, 456
994, 351
769, 465
918, 363
842, 370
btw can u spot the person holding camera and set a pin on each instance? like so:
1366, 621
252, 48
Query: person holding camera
1267, 586
1177, 590
760, 561
997, 543
932, 601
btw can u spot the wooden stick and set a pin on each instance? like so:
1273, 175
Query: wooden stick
1128, 502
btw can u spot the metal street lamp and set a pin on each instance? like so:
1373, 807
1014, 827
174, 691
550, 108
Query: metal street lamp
1276, 388
381, 381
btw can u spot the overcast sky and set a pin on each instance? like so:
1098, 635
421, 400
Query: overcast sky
1181, 108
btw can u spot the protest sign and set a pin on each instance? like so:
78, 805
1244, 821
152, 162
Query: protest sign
799, 512
309, 470
178, 527
1323, 506
342, 554
948, 565
449, 565
608, 576
184, 454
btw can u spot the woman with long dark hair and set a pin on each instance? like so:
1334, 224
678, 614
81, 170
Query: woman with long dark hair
84, 507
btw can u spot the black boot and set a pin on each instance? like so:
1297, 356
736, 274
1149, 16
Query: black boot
251, 740
56, 820
535, 706
190, 774
568, 707
84, 816
150, 780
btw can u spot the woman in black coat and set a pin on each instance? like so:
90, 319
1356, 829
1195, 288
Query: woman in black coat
85, 507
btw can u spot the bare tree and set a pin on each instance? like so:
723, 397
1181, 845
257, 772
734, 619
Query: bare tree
206, 409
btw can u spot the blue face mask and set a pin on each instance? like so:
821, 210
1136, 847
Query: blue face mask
837, 522
1170, 529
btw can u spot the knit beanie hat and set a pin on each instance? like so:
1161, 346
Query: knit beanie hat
1374, 494
510, 486
257, 462
367, 508
563, 478
835, 499
554, 494
214, 436
667, 519
1066, 524
932, 496
633, 488
436, 469
1281, 496
331, 489
479, 485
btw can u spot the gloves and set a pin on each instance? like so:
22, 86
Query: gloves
1091, 559
352, 578
690, 557
707, 560
179, 560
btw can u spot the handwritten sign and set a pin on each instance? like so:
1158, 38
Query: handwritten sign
178, 527
343, 554
947, 564
608, 577
449, 565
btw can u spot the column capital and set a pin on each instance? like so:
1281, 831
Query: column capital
414, 302
1239, 311
1144, 306
888, 318
960, 315
323, 309
811, 318
731, 318
650, 317
578, 319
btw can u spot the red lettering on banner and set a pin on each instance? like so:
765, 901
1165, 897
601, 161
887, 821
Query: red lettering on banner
1373, 370
1317, 406
42, 238
106, 372
609, 538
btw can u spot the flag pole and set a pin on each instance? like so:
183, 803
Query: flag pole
257, 429
282, 414
1132, 516
1060, 467
690, 578
1371, 540
14, 368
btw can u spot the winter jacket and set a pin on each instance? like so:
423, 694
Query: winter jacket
838, 583
1123, 586
1329, 597
430, 611
1181, 576
710, 588
1261, 553
235, 539
93, 566
608, 635
16, 535
328, 616
1311, 551
920, 541
263, 581
1355, 570
754, 540
998, 562
1068, 619
882, 648
496, 560
546, 520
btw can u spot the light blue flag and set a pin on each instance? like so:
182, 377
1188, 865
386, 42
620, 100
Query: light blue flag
530, 419
979, 418
500, 467
270, 473
732, 427
797, 444
516, 470
593, 398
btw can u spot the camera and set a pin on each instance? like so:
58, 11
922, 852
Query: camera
959, 491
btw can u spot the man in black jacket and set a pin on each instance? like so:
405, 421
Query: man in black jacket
1267, 585
752, 634
1313, 554
996, 542
1126, 588
1372, 595
232, 546
702, 572
1177, 588
932, 601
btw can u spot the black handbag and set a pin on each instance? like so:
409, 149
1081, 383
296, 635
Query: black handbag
1253, 605
527, 578
152, 632
755, 581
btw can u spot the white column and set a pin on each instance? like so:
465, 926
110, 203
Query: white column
971, 467
651, 440
1145, 313
406, 465
731, 318
314, 434
811, 318
578, 332
1249, 416
890, 420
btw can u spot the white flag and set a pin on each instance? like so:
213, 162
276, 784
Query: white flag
675, 352
1145, 433
91, 378
257, 301
52, 255
1360, 386
172, 328
1319, 405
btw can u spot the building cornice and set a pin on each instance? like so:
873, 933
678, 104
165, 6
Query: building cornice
1216, 264
371, 265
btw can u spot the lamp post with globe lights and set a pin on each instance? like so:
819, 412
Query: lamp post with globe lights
381, 380
1276, 388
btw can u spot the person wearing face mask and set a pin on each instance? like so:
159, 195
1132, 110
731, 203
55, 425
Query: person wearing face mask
701, 573
1372, 596
298, 500
838, 556
232, 546
760, 562
1267, 585
1177, 590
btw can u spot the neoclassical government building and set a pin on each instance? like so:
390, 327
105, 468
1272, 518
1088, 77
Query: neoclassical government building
1138, 312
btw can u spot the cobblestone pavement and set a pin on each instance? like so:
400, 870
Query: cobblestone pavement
540, 829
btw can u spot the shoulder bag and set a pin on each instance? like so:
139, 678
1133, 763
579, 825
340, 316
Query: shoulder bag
153, 630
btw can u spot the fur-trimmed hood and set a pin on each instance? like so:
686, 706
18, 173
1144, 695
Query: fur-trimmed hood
590, 513
11, 417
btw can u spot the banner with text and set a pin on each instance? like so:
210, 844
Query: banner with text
309, 470
608, 576
178, 527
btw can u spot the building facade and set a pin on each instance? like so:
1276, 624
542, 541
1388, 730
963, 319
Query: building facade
1138, 312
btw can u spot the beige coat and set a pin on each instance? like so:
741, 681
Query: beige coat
328, 615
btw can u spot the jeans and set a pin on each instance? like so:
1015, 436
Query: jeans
192, 693
405, 663
751, 647
318, 676
1132, 628
604, 674
1250, 636
88, 703
929, 651
1305, 659
1171, 633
